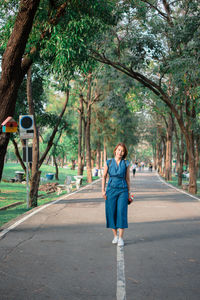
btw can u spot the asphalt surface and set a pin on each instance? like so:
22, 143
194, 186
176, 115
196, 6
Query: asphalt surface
64, 251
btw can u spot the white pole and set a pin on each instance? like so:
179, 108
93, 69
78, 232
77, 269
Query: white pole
27, 181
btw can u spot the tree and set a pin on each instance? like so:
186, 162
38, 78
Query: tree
24, 45
13, 70
157, 45
112, 118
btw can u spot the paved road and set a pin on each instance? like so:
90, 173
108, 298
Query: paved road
65, 252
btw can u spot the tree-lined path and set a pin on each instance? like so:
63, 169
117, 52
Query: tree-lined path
65, 251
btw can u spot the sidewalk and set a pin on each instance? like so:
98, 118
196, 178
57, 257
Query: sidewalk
65, 252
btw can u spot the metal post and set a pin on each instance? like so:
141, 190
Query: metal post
27, 181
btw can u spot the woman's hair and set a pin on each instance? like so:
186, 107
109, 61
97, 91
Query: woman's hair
125, 149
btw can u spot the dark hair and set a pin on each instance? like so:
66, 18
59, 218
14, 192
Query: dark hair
125, 149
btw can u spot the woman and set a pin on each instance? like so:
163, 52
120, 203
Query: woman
117, 192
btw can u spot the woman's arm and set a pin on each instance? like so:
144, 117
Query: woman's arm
104, 181
128, 178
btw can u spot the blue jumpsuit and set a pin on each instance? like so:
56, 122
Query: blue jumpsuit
117, 195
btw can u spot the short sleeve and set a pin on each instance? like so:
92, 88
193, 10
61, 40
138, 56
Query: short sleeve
108, 162
127, 162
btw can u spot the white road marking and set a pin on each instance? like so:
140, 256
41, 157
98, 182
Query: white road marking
37, 210
179, 190
121, 281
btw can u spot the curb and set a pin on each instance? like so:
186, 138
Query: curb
177, 189
10, 205
20, 219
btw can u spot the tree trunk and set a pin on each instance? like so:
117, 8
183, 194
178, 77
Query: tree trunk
154, 157
101, 161
18, 155
88, 123
88, 150
179, 157
192, 165
84, 145
163, 156
154, 163
160, 160
56, 166
197, 141
92, 158
48, 160
13, 71
168, 170
98, 155
35, 173
159, 156
73, 164
104, 151
80, 131
159, 149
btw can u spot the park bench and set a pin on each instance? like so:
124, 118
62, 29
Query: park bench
185, 186
69, 183
184, 175
78, 179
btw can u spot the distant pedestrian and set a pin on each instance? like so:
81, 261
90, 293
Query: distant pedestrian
134, 166
117, 192
142, 165
150, 167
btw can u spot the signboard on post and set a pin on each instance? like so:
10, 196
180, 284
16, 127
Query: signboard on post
30, 154
26, 128
26, 131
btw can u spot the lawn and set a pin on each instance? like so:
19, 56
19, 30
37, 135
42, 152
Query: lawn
16, 192
174, 182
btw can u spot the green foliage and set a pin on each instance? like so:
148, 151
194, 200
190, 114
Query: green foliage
38, 94
65, 142
71, 146
8, 11
112, 118
144, 153
67, 50
62, 41
157, 45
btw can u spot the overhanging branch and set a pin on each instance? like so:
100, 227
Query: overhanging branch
27, 61
50, 143
148, 83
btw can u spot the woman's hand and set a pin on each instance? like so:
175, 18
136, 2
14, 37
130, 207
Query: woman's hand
104, 181
130, 195
104, 194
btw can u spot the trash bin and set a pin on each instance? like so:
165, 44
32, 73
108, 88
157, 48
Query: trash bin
19, 175
50, 176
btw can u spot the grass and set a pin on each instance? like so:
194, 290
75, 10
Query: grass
9, 190
15, 192
174, 182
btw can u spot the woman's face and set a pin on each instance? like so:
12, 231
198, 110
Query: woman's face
119, 153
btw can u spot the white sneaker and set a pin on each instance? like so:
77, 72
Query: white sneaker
115, 240
120, 242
